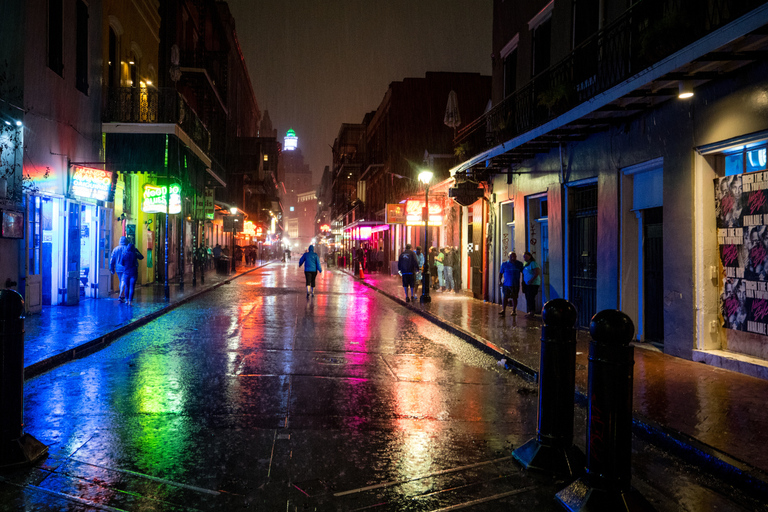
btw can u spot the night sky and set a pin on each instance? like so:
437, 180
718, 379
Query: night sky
317, 64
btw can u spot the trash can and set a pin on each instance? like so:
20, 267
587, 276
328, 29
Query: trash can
222, 266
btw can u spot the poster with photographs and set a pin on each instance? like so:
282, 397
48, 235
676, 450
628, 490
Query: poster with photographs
741, 204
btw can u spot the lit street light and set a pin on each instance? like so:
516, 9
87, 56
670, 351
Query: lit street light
425, 177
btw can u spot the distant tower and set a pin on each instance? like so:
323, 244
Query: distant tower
265, 129
291, 141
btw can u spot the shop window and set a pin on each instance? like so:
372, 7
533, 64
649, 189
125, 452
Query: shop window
756, 159
510, 73
542, 47
746, 160
55, 35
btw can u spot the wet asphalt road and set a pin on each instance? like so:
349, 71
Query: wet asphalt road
255, 397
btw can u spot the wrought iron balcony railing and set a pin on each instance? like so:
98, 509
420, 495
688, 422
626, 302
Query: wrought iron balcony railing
145, 105
645, 34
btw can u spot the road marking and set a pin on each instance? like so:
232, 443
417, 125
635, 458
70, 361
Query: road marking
485, 500
68, 497
272, 454
436, 473
150, 477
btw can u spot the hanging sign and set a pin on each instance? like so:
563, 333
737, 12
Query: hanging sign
209, 208
154, 198
395, 214
414, 213
91, 183
741, 206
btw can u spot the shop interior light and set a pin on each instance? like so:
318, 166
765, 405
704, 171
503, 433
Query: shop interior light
686, 89
18, 123
8, 123
131, 62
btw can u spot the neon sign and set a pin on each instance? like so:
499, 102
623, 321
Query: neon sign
325, 227
154, 198
249, 228
91, 183
414, 209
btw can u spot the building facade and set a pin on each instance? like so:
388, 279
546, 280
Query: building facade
620, 133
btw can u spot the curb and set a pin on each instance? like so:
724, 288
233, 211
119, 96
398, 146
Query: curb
735, 472
94, 345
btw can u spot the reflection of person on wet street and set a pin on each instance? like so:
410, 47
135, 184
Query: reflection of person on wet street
130, 261
311, 263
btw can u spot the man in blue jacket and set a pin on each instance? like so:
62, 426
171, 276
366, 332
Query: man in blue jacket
116, 267
311, 263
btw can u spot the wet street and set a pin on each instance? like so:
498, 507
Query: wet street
255, 397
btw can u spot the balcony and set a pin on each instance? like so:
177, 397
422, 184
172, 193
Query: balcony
647, 33
155, 106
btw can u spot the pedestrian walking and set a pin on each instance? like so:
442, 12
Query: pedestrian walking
531, 283
509, 280
407, 264
311, 263
116, 267
130, 261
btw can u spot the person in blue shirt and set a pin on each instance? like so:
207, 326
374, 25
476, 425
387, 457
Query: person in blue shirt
509, 280
311, 263
130, 261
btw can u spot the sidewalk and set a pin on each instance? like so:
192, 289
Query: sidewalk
62, 333
716, 416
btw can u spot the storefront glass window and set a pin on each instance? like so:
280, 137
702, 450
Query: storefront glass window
756, 159
734, 164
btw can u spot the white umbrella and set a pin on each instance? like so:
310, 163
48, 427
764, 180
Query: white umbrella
452, 117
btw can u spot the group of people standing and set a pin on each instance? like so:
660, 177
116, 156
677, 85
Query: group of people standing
443, 264
511, 273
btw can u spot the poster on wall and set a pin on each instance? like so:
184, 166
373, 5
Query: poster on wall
741, 207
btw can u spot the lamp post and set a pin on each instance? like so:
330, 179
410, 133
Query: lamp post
233, 211
425, 177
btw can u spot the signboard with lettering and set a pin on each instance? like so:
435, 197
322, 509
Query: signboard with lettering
395, 214
88, 183
155, 197
415, 211
741, 204
209, 208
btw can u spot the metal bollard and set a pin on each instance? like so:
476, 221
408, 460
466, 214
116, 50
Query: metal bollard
552, 449
16, 447
606, 485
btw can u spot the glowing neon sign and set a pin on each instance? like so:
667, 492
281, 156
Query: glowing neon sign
155, 196
414, 210
91, 183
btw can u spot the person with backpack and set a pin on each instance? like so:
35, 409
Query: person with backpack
130, 262
311, 262
407, 265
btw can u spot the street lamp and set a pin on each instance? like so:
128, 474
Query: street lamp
233, 211
425, 177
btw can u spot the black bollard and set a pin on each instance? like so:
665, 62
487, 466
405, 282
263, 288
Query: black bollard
16, 447
552, 449
606, 485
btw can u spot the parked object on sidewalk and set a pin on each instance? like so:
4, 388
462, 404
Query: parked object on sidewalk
16, 447
607, 484
552, 450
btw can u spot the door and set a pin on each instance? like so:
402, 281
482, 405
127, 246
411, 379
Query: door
34, 293
582, 220
653, 275
475, 237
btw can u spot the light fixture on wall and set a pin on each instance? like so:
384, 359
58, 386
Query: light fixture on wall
686, 89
